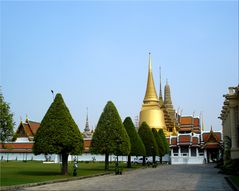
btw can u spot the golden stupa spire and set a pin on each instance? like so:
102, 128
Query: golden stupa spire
150, 111
150, 95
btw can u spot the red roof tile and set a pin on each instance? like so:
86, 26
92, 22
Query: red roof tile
15, 150
184, 138
196, 122
17, 146
185, 129
28, 130
186, 120
218, 136
34, 126
205, 136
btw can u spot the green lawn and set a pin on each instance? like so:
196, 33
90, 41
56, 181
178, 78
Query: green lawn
18, 172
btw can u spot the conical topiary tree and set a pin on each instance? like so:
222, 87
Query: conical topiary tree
110, 136
58, 133
165, 144
137, 146
159, 142
148, 139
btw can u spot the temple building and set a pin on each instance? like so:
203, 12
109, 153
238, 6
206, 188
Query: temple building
87, 135
196, 148
21, 146
188, 142
230, 122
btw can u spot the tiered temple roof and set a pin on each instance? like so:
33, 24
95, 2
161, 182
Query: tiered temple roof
205, 140
189, 124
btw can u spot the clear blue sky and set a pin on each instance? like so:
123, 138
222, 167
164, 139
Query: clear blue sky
92, 52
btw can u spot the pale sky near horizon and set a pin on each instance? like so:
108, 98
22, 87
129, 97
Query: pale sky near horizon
95, 51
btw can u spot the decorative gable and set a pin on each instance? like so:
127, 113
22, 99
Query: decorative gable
21, 131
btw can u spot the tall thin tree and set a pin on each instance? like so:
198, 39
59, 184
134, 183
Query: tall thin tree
137, 146
148, 139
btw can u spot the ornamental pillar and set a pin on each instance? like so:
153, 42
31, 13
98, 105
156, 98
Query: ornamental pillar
189, 151
234, 133
179, 151
197, 152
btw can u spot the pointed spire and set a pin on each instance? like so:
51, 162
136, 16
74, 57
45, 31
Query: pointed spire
160, 88
160, 82
87, 128
167, 94
150, 95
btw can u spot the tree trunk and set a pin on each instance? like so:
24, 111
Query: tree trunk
106, 161
154, 159
129, 162
143, 161
64, 166
161, 159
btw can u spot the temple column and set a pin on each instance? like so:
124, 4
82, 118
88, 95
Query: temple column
234, 135
234, 131
179, 151
205, 156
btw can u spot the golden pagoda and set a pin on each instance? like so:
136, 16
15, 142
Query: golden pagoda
150, 111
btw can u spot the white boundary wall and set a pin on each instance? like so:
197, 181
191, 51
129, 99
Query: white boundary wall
187, 160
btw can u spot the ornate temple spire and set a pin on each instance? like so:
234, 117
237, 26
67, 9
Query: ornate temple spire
87, 128
150, 95
151, 113
167, 95
160, 89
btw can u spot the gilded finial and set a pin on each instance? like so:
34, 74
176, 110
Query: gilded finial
150, 64
26, 118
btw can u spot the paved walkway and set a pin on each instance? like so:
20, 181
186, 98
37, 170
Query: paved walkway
167, 177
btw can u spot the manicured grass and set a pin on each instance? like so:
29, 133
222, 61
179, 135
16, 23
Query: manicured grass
18, 172
235, 180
